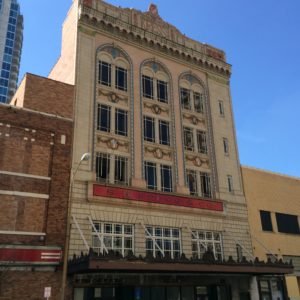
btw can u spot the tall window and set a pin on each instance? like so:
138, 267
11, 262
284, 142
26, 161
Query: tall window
121, 79
230, 183
225, 146
185, 99
112, 119
201, 140
118, 164
199, 179
121, 170
266, 221
156, 131
205, 184
162, 91
103, 167
150, 174
166, 178
104, 117
147, 87
163, 241
205, 240
104, 73
121, 122
149, 129
164, 134
188, 139
221, 108
198, 102
191, 178
158, 176
116, 237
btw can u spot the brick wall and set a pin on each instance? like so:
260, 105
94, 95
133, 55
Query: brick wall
35, 166
35, 89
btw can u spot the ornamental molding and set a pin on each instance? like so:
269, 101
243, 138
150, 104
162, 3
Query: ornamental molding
193, 119
156, 109
112, 96
149, 29
197, 160
157, 152
112, 143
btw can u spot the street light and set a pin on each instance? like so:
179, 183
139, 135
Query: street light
84, 157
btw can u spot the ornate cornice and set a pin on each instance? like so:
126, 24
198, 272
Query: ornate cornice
150, 30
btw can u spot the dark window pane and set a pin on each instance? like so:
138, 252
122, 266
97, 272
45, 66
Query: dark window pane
192, 181
188, 139
287, 223
198, 103
164, 135
162, 91
150, 174
202, 145
121, 79
121, 122
185, 98
103, 118
121, 170
147, 87
104, 73
149, 131
205, 185
102, 167
166, 178
266, 221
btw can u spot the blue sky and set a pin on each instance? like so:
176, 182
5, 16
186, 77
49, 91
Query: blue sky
261, 41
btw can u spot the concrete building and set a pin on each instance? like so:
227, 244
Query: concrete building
35, 145
274, 212
159, 211
11, 38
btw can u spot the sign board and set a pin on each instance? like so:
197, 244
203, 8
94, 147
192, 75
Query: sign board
136, 195
47, 292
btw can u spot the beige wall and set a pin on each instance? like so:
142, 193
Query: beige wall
275, 193
232, 222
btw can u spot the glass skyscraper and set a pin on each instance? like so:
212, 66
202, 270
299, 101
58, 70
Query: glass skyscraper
11, 39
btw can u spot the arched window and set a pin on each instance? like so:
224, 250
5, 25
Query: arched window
157, 127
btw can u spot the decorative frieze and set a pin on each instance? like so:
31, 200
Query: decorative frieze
158, 152
194, 119
112, 96
112, 143
149, 29
197, 160
156, 109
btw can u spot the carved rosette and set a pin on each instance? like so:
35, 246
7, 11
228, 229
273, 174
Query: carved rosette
193, 119
198, 161
156, 109
113, 143
112, 97
158, 153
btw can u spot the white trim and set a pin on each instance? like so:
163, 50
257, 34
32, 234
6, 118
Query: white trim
25, 175
21, 232
24, 194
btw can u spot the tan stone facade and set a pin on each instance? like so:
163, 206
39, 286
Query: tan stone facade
153, 108
274, 194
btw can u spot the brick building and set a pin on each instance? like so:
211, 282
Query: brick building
159, 210
35, 152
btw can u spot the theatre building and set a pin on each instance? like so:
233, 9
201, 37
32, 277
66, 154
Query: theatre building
158, 212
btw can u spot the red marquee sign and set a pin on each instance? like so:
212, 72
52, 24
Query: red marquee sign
129, 194
30, 255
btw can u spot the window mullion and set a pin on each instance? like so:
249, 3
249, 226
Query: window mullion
112, 168
156, 130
